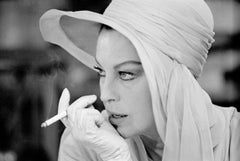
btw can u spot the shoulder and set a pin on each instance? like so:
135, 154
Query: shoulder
230, 113
235, 126
232, 116
235, 137
235, 118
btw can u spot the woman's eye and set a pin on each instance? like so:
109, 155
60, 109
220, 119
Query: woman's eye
100, 71
126, 76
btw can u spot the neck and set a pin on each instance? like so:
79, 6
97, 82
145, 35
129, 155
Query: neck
153, 146
152, 142
152, 136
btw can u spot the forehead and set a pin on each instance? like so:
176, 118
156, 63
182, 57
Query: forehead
113, 47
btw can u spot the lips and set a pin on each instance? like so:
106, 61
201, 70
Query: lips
117, 118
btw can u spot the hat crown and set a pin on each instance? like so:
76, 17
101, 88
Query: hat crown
181, 29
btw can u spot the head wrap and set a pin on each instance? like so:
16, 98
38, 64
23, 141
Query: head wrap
172, 38
181, 29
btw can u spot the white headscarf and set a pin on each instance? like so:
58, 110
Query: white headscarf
181, 29
187, 122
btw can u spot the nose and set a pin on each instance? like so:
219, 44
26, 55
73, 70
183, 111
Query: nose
108, 91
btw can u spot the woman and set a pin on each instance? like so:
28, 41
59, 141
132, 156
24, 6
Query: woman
148, 55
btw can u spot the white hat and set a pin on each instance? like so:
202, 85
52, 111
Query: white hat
180, 29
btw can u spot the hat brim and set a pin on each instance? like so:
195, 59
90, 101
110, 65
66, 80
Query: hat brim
77, 32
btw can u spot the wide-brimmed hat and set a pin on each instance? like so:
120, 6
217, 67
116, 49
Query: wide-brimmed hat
77, 32
182, 30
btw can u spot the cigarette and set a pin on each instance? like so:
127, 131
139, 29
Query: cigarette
54, 119
63, 104
82, 102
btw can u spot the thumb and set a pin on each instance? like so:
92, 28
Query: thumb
106, 124
64, 100
63, 105
105, 115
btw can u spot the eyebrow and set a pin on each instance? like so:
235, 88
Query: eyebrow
123, 63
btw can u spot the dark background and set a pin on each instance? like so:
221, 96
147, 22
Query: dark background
34, 73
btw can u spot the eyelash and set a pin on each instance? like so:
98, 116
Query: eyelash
122, 74
126, 74
99, 71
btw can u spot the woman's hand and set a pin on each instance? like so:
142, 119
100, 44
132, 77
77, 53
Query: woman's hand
91, 128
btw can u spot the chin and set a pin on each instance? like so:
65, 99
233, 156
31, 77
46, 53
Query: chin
126, 133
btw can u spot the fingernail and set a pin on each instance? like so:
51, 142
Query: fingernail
92, 98
105, 114
66, 93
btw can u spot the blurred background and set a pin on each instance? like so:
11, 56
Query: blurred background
34, 73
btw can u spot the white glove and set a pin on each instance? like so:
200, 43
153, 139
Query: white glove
91, 128
63, 104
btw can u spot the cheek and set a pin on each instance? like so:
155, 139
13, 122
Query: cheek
143, 119
139, 97
139, 123
139, 106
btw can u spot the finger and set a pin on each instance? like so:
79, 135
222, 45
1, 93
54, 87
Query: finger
71, 115
80, 103
84, 101
91, 107
106, 124
89, 119
63, 105
64, 100
85, 126
99, 119
105, 115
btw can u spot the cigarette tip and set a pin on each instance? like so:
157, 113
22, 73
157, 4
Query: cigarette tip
44, 125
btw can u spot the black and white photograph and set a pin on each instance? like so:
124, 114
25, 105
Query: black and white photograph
119, 80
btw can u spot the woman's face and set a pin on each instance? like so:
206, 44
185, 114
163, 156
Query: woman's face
123, 85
